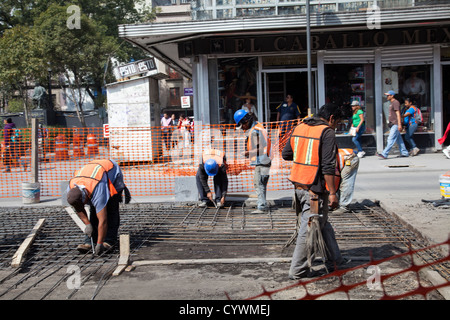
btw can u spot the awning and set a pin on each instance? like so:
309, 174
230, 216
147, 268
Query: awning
161, 39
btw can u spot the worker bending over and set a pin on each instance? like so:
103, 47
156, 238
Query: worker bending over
212, 164
98, 184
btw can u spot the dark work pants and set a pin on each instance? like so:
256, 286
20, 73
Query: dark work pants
113, 216
220, 186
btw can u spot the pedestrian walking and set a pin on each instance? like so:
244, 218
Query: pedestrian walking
100, 185
166, 130
358, 127
410, 124
212, 164
395, 125
312, 148
258, 149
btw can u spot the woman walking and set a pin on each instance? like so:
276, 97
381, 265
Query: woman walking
410, 124
358, 126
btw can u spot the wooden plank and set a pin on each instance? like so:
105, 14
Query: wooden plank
76, 218
26, 244
124, 257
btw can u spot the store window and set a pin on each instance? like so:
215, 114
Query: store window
236, 79
347, 83
410, 82
174, 97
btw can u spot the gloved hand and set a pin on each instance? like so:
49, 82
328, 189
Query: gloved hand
127, 195
99, 249
88, 230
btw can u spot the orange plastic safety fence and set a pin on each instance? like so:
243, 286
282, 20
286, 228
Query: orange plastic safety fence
151, 157
372, 279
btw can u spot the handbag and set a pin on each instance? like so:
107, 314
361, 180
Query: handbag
352, 131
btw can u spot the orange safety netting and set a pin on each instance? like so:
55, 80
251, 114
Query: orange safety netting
375, 278
151, 158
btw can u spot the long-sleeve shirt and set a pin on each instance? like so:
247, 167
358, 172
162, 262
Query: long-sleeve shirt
203, 176
328, 149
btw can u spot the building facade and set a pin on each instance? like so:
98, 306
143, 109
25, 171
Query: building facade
359, 51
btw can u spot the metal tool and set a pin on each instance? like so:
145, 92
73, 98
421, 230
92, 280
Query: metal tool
92, 244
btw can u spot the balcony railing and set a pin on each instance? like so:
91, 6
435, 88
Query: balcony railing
228, 9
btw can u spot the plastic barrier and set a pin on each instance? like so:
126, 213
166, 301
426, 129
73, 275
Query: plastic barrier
92, 144
149, 164
61, 148
78, 146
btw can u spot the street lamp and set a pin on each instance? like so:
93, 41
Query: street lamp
308, 54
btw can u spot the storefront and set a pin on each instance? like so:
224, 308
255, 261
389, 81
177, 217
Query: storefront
356, 64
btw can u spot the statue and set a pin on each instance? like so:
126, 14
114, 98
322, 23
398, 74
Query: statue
39, 96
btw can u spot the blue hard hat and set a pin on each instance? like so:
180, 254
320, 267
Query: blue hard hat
239, 115
211, 167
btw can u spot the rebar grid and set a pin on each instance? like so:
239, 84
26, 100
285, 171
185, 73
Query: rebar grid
148, 224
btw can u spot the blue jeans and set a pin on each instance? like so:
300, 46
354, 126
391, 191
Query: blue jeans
395, 137
299, 264
409, 133
356, 139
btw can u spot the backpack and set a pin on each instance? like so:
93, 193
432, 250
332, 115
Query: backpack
418, 115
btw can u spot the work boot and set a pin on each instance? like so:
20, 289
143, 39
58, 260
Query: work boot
84, 248
259, 211
202, 204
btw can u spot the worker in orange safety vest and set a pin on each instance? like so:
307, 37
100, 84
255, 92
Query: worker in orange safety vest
312, 148
212, 164
98, 184
258, 150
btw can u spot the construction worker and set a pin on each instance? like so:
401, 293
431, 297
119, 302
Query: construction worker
312, 148
258, 150
348, 167
212, 164
98, 184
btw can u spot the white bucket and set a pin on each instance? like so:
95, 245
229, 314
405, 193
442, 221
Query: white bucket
31, 192
444, 181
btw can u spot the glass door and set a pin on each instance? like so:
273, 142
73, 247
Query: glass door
277, 84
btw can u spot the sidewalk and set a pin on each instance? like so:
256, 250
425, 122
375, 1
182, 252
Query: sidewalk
399, 184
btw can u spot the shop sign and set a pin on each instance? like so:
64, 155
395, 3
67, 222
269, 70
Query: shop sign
134, 68
185, 102
290, 43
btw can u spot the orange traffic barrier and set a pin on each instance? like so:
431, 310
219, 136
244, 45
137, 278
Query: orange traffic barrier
78, 146
92, 144
61, 148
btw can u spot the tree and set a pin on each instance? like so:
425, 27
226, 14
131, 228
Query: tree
76, 55
20, 61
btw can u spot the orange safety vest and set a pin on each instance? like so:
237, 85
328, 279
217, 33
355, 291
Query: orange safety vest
341, 159
262, 130
91, 174
215, 154
305, 143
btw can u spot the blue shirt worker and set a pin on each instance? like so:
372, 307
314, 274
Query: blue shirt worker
98, 184
212, 164
286, 112
258, 149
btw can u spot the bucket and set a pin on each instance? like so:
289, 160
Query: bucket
31, 192
444, 181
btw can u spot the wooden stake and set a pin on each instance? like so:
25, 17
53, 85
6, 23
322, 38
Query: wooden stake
26, 244
124, 257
